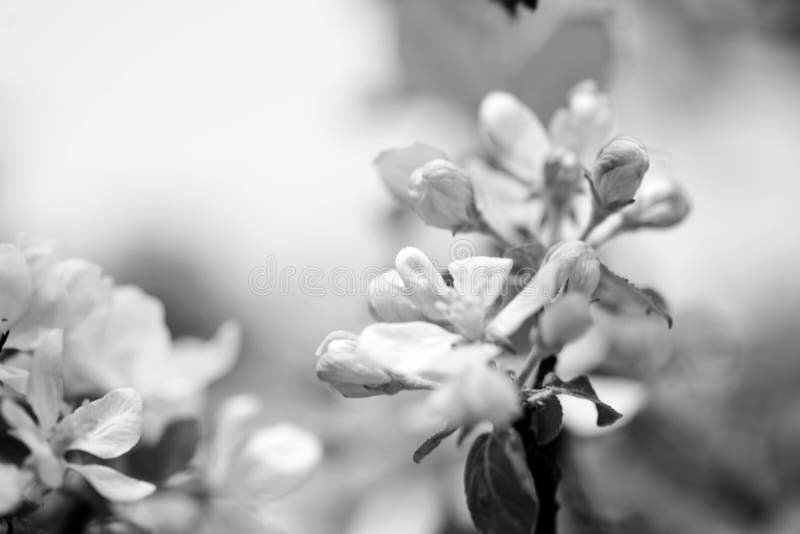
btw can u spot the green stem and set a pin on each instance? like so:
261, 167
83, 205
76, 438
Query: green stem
529, 366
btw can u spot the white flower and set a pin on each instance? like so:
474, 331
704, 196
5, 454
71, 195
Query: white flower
105, 428
39, 291
13, 484
245, 466
478, 394
124, 342
585, 124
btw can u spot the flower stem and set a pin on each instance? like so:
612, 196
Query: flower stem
531, 362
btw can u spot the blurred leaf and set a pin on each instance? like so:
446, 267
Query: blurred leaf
500, 491
107, 427
112, 484
581, 388
170, 455
527, 256
619, 296
546, 419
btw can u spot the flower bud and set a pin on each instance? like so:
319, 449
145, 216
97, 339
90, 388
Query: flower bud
618, 171
660, 203
388, 301
396, 165
442, 196
565, 320
341, 367
478, 394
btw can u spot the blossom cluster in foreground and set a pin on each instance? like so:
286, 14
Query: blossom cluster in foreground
549, 199
99, 405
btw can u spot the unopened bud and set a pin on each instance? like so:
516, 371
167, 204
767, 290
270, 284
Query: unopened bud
565, 320
618, 172
660, 203
442, 195
341, 366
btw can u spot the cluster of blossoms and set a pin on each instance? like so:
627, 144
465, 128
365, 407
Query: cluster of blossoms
548, 198
89, 374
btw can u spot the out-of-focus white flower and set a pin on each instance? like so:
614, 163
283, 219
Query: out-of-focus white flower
618, 172
124, 342
105, 428
585, 124
13, 484
442, 195
478, 394
513, 135
660, 203
39, 291
395, 167
243, 468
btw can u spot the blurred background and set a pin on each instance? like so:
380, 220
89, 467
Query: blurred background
185, 146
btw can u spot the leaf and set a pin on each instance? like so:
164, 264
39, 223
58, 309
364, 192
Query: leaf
430, 444
528, 256
619, 296
107, 427
46, 381
547, 419
500, 492
171, 454
112, 484
581, 388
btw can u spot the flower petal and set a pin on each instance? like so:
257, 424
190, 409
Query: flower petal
425, 286
107, 427
586, 124
234, 416
417, 349
387, 299
112, 484
195, 363
46, 384
274, 461
478, 394
513, 135
13, 481
396, 165
480, 276
15, 285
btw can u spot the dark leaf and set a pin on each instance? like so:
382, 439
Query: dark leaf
171, 454
528, 256
546, 419
581, 388
500, 492
431, 443
619, 296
